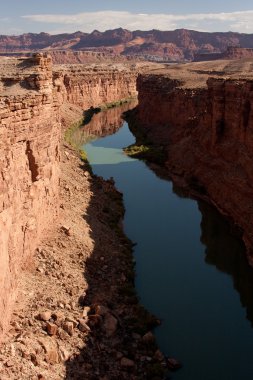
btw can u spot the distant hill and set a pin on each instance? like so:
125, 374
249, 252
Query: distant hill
177, 45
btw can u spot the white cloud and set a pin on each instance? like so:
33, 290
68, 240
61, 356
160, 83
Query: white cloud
88, 21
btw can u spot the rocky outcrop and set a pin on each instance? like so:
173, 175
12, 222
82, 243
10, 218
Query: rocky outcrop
207, 133
34, 100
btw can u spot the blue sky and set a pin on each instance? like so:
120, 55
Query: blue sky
58, 16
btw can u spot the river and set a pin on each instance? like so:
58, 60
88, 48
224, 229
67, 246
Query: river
191, 272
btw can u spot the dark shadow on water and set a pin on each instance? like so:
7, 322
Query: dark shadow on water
225, 250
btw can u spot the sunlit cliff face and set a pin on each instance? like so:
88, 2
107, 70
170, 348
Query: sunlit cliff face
34, 100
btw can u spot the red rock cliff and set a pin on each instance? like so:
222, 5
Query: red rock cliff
207, 131
95, 85
29, 143
32, 104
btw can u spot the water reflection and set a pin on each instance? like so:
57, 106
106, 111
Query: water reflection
102, 124
227, 253
224, 249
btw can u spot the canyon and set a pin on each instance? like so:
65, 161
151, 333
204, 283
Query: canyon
156, 45
201, 114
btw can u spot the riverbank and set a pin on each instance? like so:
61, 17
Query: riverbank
77, 313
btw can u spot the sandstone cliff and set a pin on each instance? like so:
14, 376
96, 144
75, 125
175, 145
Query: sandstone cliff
94, 85
35, 99
205, 126
30, 133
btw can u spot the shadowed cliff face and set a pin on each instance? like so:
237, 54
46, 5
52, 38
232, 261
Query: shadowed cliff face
206, 130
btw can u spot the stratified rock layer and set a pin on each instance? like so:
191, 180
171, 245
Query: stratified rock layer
34, 101
96, 85
29, 144
206, 127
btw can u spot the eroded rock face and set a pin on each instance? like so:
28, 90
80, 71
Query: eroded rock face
208, 135
32, 105
29, 143
95, 85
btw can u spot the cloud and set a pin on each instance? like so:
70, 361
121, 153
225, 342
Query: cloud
88, 21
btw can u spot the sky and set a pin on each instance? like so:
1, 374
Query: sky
67, 16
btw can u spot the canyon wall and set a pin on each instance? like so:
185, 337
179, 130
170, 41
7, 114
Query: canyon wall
29, 143
35, 99
207, 132
95, 85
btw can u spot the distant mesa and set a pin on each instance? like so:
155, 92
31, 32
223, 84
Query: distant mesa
154, 45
